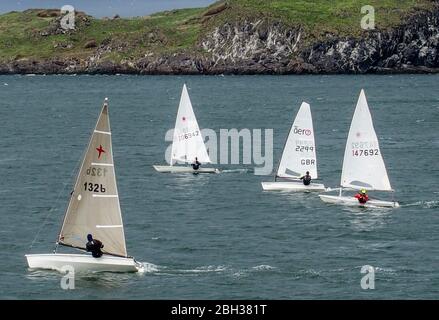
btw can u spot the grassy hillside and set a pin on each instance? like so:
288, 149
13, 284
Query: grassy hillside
22, 34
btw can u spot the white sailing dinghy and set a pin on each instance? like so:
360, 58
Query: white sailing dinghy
187, 143
93, 209
298, 156
363, 164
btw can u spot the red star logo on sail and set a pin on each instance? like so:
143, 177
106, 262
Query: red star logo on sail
100, 150
184, 118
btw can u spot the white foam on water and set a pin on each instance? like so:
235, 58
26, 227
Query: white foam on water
235, 171
263, 267
385, 270
424, 204
148, 267
206, 269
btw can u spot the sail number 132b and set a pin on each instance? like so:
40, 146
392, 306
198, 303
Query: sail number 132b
94, 187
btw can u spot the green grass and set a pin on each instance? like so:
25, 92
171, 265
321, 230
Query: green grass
320, 16
180, 30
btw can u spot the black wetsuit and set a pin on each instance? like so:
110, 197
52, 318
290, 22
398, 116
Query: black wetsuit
196, 165
94, 247
306, 180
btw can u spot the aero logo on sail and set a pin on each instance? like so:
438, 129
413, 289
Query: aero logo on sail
301, 132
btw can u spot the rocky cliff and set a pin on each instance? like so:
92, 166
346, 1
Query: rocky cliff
258, 45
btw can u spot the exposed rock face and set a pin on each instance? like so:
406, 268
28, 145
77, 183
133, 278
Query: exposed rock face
254, 47
412, 47
261, 47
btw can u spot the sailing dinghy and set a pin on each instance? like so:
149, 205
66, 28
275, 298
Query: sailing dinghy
93, 209
363, 164
187, 143
298, 156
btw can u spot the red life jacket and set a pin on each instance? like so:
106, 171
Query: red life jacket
362, 198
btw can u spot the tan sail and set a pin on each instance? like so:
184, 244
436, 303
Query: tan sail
94, 205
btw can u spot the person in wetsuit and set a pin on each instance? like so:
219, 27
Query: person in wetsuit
306, 179
94, 246
196, 164
362, 196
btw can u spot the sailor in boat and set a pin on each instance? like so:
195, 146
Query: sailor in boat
306, 179
94, 246
196, 164
362, 196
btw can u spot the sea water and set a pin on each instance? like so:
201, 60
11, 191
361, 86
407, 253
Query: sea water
221, 236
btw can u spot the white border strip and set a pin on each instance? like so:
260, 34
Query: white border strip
103, 132
105, 196
109, 226
102, 164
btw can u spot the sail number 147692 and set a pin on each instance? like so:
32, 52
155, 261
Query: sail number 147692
367, 152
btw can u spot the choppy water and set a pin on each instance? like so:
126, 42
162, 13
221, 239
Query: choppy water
220, 236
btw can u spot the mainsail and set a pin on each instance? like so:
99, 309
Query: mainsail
363, 165
94, 205
299, 154
187, 142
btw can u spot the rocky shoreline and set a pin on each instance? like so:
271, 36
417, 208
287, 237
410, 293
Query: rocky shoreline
261, 47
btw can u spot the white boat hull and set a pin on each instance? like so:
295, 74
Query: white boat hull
182, 169
291, 186
82, 262
351, 201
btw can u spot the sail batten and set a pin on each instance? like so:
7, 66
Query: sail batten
363, 164
188, 142
299, 153
94, 203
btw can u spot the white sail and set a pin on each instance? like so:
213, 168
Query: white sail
94, 204
363, 165
188, 142
299, 154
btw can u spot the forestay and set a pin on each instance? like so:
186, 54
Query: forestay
363, 165
299, 154
187, 142
94, 205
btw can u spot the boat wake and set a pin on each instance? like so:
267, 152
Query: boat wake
263, 267
205, 269
237, 171
235, 272
147, 267
424, 204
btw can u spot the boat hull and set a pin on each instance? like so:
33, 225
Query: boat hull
351, 201
291, 186
181, 169
82, 263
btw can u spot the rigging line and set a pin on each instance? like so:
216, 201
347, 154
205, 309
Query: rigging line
56, 203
